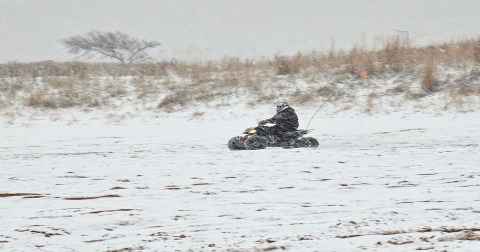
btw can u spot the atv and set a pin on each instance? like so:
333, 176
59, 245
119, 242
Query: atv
256, 138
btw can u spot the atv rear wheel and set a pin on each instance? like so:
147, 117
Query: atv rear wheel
235, 143
255, 143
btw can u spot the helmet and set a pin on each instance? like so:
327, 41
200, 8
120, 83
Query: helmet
281, 105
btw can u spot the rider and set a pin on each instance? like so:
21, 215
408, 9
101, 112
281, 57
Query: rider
285, 120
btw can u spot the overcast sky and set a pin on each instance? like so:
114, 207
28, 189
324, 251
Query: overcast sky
30, 30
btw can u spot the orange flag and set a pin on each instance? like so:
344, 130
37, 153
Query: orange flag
364, 74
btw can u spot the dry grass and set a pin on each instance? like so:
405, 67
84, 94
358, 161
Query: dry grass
430, 81
370, 102
175, 85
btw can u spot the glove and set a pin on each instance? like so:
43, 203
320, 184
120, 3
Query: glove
263, 122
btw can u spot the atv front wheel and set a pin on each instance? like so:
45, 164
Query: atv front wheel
235, 143
255, 143
307, 142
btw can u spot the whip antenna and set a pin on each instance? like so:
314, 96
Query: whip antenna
363, 74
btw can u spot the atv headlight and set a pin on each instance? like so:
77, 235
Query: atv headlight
252, 131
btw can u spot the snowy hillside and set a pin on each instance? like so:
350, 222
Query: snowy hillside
399, 78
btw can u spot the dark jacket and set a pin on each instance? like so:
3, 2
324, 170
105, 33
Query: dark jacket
286, 120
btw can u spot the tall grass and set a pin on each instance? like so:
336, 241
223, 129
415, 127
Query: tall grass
430, 80
173, 85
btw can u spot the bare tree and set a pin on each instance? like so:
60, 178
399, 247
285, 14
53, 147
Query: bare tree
116, 45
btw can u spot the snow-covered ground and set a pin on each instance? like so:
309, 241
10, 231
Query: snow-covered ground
397, 182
